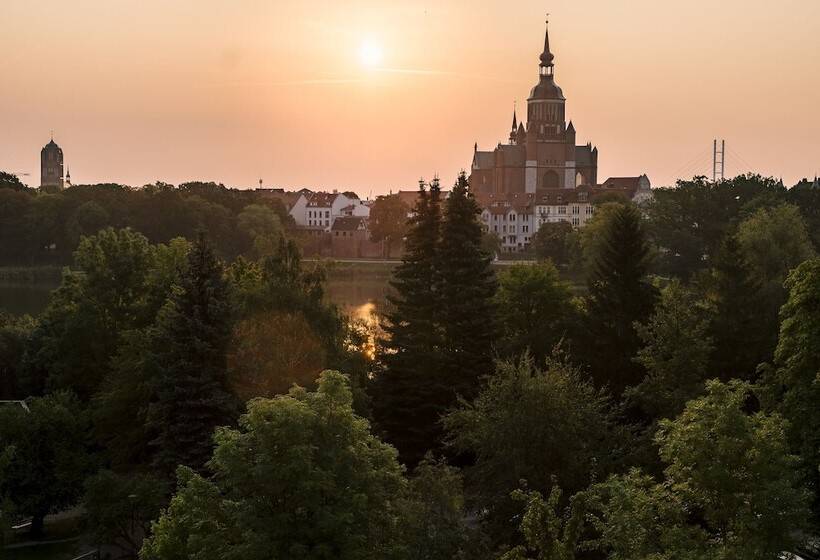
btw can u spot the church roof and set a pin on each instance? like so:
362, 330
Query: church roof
547, 89
484, 160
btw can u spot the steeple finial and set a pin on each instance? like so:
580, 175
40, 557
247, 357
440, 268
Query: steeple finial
547, 56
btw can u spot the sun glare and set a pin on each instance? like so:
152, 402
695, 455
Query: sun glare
370, 53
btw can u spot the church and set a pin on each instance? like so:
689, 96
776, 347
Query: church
541, 154
541, 176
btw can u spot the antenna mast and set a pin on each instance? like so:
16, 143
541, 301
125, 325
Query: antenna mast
718, 160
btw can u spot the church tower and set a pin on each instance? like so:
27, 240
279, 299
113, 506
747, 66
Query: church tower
550, 145
51, 167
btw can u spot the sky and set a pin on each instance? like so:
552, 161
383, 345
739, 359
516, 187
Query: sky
371, 95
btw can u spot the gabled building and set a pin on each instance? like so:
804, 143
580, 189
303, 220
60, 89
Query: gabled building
320, 209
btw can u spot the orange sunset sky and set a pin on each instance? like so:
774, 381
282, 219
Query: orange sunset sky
369, 95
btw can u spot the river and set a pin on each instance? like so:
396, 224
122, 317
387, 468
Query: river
356, 295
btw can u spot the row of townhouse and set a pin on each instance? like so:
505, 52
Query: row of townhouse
516, 217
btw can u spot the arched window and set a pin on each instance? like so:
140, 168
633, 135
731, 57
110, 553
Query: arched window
551, 180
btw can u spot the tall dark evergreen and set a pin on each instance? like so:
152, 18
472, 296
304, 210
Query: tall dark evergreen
620, 295
405, 403
467, 285
740, 326
189, 353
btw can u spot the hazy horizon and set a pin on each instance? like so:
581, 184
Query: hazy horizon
369, 96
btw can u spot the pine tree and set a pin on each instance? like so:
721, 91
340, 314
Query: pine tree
404, 403
740, 329
190, 343
467, 285
619, 296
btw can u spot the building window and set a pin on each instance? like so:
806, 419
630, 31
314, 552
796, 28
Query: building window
576, 210
575, 221
562, 210
589, 209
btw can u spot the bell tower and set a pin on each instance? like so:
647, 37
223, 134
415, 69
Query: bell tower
51, 167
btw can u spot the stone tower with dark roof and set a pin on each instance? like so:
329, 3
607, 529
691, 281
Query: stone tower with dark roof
51, 167
542, 155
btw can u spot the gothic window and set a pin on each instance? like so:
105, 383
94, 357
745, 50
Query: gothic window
551, 180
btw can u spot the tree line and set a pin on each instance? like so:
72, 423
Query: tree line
666, 408
45, 229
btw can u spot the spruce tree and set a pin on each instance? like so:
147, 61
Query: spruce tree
741, 321
467, 285
404, 402
190, 343
620, 295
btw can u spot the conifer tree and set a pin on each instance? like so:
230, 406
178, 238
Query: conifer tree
739, 328
619, 296
404, 401
467, 285
189, 356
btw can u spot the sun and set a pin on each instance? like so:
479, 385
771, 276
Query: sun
370, 53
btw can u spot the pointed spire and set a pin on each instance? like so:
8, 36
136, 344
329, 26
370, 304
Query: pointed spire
475, 147
515, 120
570, 127
547, 56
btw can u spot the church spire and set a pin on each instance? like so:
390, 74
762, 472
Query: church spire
514, 129
546, 66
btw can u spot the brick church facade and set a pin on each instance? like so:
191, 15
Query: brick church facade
541, 154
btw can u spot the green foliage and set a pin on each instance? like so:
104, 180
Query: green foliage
46, 451
550, 531
388, 221
740, 330
689, 222
11, 181
620, 295
409, 395
730, 491
189, 350
551, 241
39, 228
774, 241
676, 353
533, 425
111, 290
634, 518
433, 516
263, 226
120, 509
795, 381
466, 285
302, 477
286, 332
535, 310
15, 333
736, 471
